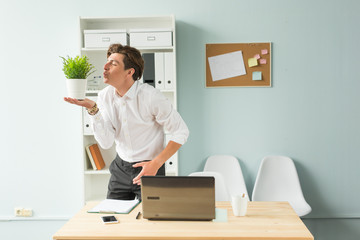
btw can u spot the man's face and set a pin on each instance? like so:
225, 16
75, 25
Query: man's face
114, 70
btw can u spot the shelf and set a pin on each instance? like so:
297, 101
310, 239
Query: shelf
105, 21
92, 93
141, 49
167, 90
96, 181
97, 172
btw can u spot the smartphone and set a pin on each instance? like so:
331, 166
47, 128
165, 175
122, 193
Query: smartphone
109, 219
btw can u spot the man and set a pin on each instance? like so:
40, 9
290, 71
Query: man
133, 115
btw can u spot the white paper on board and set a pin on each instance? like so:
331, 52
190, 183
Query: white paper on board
227, 65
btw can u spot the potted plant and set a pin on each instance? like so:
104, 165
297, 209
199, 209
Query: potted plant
76, 71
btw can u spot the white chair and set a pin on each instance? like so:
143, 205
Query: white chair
221, 192
230, 168
277, 180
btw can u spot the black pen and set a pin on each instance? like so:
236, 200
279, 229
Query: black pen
138, 215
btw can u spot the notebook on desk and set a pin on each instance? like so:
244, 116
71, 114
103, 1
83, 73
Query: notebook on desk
178, 197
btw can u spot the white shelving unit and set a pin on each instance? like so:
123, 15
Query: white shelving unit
96, 181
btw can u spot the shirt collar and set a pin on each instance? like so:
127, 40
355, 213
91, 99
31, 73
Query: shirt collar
130, 93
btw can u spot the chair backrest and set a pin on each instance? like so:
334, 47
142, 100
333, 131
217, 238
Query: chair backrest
221, 192
230, 168
277, 180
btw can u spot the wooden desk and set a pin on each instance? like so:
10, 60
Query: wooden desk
264, 220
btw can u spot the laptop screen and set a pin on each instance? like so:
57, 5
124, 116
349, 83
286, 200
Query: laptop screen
178, 197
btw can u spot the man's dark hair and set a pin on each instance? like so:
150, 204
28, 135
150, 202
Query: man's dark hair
132, 58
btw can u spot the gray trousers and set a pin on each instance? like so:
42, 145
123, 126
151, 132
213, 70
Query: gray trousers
121, 180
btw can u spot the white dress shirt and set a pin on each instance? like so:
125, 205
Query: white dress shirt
135, 122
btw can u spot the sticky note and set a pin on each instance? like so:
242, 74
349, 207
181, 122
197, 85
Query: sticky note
220, 215
264, 51
252, 62
256, 76
257, 56
262, 61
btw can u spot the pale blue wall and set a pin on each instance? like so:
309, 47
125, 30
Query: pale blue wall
310, 114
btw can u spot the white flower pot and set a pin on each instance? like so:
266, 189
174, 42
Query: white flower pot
76, 88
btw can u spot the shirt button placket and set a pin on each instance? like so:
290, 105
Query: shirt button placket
126, 130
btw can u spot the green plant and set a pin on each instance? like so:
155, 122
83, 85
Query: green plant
77, 68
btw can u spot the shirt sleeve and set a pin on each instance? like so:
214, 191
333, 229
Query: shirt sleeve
104, 131
168, 117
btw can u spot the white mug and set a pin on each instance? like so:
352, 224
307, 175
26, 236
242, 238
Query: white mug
239, 204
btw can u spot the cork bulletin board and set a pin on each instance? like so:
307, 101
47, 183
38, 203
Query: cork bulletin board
238, 65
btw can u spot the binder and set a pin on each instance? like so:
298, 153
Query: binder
171, 165
149, 69
115, 206
159, 70
169, 70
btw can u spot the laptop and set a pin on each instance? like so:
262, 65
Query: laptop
178, 197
